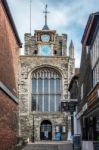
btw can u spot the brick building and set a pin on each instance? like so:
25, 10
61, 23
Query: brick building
88, 95
9, 57
45, 73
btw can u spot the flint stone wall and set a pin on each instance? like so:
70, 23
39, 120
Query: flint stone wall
28, 64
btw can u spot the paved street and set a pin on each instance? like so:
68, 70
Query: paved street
49, 146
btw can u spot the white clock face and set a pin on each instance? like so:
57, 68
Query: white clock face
45, 50
45, 38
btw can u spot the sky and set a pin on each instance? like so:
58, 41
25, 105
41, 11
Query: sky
66, 16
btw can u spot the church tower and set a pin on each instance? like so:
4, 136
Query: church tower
45, 73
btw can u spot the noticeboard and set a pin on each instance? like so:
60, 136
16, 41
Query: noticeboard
76, 141
58, 136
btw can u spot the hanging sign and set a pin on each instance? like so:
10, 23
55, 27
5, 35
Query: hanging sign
71, 106
64, 106
68, 106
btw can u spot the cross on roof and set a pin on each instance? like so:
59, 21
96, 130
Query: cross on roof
45, 12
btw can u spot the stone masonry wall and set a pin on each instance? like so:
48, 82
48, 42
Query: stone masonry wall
27, 65
60, 45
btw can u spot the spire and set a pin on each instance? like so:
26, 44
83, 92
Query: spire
71, 49
45, 12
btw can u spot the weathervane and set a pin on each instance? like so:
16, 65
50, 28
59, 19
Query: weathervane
45, 12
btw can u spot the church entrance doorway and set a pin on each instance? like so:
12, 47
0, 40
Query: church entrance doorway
46, 130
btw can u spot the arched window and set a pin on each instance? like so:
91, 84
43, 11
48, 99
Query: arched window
46, 90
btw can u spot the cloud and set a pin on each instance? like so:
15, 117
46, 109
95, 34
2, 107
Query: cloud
66, 16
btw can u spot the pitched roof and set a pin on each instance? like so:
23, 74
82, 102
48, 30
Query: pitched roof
89, 26
8, 12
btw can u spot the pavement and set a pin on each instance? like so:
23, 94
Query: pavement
46, 145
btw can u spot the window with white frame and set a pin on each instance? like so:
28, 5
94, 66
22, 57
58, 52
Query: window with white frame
96, 74
46, 90
95, 59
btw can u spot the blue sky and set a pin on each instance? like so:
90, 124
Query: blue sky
66, 16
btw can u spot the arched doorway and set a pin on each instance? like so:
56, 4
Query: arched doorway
46, 130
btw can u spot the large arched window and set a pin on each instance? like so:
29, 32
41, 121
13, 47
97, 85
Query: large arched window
46, 90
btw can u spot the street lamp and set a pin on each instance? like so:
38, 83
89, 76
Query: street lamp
33, 111
33, 127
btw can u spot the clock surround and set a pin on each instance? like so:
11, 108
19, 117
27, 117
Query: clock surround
45, 38
45, 50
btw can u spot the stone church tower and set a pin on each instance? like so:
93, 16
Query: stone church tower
45, 73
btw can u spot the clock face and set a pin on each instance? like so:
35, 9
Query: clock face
45, 38
45, 50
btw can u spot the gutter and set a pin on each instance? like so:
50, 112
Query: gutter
8, 92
